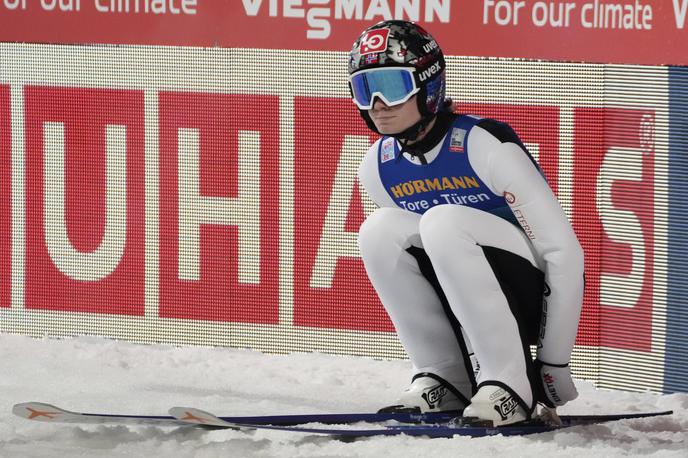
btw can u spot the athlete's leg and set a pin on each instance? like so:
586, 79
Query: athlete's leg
455, 238
391, 249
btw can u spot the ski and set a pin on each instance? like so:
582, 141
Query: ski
349, 425
39, 411
453, 428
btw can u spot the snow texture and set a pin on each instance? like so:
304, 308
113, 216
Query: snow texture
89, 374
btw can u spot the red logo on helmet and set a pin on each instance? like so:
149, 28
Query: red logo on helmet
374, 41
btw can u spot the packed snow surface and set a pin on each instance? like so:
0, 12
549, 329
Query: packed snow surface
98, 375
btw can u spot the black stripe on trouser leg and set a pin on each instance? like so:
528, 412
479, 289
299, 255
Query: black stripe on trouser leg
428, 272
523, 286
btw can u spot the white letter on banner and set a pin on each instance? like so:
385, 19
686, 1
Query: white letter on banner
14, 4
250, 6
335, 242
101, 262
48, 5
321, 26
293, 8
189, 6
317, 19
348, 9
439, 8
378, 8
194, 209
101, 8
621, 226
409, 8
680, 15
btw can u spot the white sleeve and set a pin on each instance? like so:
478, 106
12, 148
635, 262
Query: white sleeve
507, 168
369, 177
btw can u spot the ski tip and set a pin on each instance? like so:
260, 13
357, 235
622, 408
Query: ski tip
662, 413
39, 411
196, 416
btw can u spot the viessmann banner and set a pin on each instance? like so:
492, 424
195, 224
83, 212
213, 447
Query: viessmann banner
649, 32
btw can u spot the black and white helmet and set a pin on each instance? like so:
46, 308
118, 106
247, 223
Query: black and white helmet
401, 44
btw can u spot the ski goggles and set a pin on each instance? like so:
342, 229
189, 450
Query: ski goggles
393, 85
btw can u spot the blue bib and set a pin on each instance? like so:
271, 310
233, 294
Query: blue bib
448, 179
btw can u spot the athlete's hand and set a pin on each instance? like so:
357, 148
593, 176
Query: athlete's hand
557, 383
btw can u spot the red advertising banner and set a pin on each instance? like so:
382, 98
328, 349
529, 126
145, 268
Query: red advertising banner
611, 31
339, 296
5, 197
613, 215
219, 219
84, 200
219, 207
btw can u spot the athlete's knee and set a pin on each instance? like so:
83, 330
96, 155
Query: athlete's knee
443, 222
373, 229
382, 232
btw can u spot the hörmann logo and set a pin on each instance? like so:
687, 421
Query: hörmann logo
319, 13
412, 187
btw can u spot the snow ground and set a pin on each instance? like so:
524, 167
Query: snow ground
89, 374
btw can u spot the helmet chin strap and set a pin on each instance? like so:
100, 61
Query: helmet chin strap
411, 134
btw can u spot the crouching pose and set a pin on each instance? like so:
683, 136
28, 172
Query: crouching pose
469, 250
